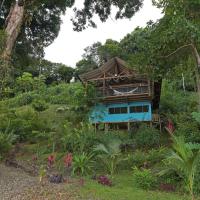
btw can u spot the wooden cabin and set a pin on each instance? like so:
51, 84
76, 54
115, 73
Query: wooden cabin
125, 96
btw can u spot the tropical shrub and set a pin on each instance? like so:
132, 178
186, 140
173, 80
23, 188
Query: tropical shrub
6, 141
22, 99
144, 178
183, 159
197, 179
110, 155
23, 122
171, 180
25, 82
80, 139
39, 105
188, 128
154, 156
146, 159
138, 158
82, 164
147, 137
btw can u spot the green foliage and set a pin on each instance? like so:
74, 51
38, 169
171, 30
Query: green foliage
65, 73
110, 155
39, 82
172, 98
138, 158
22, 99
79, 139
25, 82
39, 105
144, 178
148, 158
197, 178
83, 19
42, 173
187, 127
82, 164
196, 116
183, 159
2, 40
147, 137
24, 122
6, 141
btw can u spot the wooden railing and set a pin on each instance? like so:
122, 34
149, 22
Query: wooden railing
125, 90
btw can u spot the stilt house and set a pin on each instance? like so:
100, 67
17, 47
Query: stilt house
125, 96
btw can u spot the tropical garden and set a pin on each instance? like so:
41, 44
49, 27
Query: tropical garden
44, 126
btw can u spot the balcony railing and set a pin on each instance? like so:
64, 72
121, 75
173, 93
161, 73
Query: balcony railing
126, 90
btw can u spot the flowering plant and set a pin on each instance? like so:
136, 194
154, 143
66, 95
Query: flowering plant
51, 160
68, 160
104, 180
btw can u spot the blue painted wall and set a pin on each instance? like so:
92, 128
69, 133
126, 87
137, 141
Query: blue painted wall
100, 113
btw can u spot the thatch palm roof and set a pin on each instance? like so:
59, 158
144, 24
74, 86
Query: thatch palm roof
112, 68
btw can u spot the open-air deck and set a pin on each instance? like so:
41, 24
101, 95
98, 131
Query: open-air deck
126, 92
125, 96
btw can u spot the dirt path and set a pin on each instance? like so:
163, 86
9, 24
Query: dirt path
13, 182
18, 185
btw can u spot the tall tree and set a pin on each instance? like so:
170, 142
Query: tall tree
177, 35
35, 23
33, 17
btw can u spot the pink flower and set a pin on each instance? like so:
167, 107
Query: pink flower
51, 160
68, 160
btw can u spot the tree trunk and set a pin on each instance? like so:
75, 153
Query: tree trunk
197, 57
198, 86
196, 54
13, 27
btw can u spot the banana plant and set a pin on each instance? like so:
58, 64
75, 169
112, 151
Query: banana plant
183, 158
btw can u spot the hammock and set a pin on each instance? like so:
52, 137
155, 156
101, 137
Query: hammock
116, 92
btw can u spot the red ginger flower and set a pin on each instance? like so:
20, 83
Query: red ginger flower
51, 160
68, 160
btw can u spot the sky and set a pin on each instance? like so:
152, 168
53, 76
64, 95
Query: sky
69, 46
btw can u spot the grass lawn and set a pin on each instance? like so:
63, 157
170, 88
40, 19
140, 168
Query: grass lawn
124, 189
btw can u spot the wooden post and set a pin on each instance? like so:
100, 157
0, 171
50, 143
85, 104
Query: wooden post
149, 87
95, 127
129, 127
104, 84
106, 127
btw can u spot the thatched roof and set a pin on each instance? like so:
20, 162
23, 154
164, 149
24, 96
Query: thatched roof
112, 68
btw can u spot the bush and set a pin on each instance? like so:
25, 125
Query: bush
24, 122
144, 178
23, 99
6, 141
104, 180
146, 159
187, 127
39, 105
154, 156
138, 158
147, 137
197, 179
82, 164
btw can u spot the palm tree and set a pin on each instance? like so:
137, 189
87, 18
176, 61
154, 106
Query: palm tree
183, 159
110, 154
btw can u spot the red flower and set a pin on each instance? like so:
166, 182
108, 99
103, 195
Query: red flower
51, 160
170, 126
68, 160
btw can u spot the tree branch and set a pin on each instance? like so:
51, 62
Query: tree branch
182, 47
